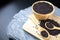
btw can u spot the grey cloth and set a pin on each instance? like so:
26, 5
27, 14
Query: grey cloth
15, 26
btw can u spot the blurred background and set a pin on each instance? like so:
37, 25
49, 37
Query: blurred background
8, 8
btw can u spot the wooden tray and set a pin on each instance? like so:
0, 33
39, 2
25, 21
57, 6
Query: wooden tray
30, 27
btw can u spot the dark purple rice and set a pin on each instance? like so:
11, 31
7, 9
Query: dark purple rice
43, 8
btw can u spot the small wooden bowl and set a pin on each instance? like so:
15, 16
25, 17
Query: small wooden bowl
41, 16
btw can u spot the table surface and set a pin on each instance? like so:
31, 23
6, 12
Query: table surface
15, 26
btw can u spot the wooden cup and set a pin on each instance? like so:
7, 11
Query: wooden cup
41, 16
